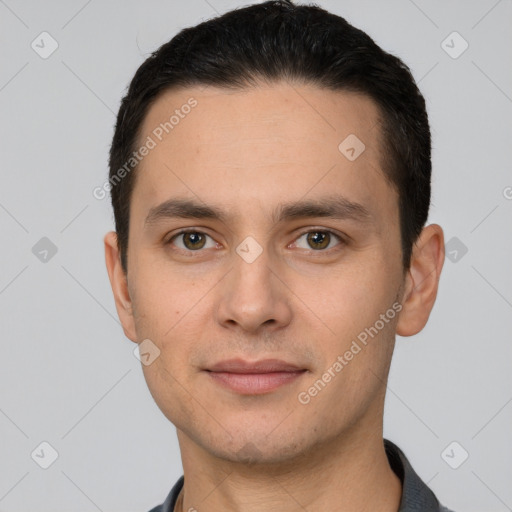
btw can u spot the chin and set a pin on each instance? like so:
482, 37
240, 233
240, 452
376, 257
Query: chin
257, 447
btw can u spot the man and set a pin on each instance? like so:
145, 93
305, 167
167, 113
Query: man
270, 178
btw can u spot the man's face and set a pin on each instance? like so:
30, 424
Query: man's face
301, 289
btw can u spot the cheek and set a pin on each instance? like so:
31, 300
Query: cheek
160, 299
172, 311
356, 316
351, 297
165, 385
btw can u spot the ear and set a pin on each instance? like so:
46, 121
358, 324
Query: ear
421, 281
119, 284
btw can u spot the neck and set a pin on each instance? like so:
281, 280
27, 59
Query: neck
351, 472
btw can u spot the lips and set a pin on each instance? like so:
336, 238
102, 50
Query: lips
263, 366
257, 377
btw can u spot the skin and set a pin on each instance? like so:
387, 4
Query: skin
247, 152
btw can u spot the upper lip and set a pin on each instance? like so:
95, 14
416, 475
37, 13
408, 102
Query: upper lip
262, 366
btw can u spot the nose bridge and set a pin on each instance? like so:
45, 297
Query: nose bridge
252, 269
252, 276
252, 295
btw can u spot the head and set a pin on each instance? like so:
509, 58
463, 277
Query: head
296, 153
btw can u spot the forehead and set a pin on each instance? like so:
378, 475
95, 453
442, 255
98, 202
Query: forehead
223, 117
261, 142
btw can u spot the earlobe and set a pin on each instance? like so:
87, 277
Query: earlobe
422, 280
119, 284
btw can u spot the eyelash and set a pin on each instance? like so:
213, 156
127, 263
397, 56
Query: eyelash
341, 239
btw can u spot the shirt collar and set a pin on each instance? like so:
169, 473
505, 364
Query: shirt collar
416, 496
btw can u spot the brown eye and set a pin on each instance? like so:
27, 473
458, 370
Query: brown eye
318, 240
191, 241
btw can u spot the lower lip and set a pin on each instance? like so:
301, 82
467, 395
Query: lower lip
254, 383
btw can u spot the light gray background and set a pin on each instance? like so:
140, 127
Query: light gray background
69, 377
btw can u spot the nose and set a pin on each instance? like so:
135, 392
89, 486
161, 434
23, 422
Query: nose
253, 296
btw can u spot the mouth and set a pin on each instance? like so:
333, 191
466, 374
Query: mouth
253, 378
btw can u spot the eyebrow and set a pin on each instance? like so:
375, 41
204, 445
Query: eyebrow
334, 207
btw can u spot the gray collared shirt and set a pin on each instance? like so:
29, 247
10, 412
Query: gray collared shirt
416, 496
